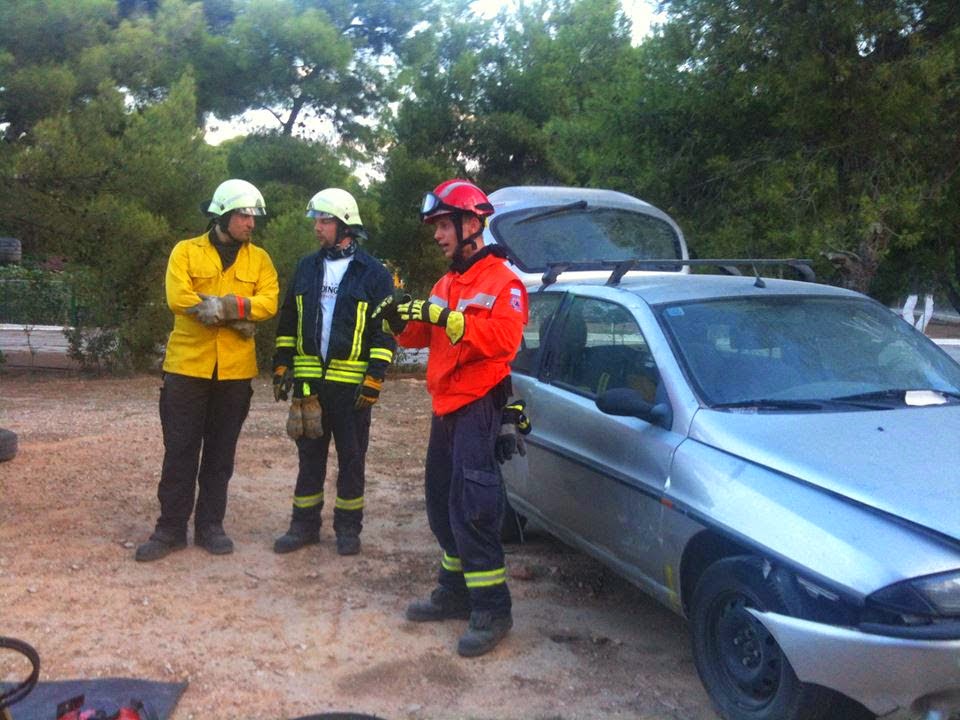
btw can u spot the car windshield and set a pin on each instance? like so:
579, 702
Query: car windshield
806, 353
579, 232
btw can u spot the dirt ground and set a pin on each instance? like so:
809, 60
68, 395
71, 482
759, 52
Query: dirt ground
264, 636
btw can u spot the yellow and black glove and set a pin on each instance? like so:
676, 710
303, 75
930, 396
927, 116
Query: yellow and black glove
514, 424
368, 392
452, 321
282, 382
387, 312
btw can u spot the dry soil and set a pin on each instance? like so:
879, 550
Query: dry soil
263, 636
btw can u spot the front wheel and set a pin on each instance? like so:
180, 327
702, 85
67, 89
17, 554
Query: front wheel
740, 663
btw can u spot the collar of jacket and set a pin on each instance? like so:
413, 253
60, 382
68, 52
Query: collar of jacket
358, 256
339, 253
461, 267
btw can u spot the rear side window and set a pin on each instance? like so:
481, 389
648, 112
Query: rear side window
599, 347
543, 307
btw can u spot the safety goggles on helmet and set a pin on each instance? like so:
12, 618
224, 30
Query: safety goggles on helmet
251, 211
432, 205
454, 197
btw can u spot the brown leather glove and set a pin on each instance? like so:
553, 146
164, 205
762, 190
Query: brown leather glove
312, 416
235, 307
247, 328
295, 419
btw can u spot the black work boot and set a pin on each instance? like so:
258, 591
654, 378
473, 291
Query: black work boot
213, 539
160, 544
300, 534
348, 544
443, 604
483, 633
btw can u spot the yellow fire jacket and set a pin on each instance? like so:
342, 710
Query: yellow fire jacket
195, 349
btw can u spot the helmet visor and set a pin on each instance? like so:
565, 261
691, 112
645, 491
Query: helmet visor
432, 205
251, 211
321, 214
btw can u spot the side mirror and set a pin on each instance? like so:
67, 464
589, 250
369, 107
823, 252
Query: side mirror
629, 403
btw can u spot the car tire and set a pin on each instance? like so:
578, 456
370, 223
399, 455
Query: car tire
8, 444
740, 664
511, 531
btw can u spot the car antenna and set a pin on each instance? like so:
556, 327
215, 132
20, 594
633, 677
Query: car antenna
759, 283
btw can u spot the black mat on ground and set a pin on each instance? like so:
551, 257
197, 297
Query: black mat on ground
107, 694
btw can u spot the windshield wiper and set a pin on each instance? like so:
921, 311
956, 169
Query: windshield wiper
898, 395
771, 404
578, 205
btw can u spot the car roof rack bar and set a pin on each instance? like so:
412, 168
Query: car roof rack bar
619, 268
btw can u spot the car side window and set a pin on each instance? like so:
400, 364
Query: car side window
543, 307
600, 347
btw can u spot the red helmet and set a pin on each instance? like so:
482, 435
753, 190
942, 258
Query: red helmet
453, 197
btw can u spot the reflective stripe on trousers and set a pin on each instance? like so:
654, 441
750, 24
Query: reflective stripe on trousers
350, 430
466, 501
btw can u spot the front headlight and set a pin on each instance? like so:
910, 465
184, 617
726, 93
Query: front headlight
933, 595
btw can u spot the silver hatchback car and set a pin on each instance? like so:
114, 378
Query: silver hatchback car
778, 461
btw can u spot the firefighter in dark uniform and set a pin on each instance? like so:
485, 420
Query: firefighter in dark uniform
472, 324
334, 358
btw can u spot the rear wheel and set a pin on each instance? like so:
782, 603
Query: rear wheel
740, 663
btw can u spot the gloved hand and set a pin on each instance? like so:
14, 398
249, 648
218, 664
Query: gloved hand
247, 328
235, 307
514, 424
282, 382
387, 311
509, 441
452, 321
213, 310
515, 413
368, 392
209, 310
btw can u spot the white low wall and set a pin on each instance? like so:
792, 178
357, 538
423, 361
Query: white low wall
33, 339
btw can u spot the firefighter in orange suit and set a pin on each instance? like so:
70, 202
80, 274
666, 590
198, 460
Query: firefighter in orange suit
218, 285
472, 325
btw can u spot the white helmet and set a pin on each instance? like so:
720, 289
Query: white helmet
237, 195
337, 203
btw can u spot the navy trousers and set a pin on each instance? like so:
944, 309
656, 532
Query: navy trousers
350, 430
466, 502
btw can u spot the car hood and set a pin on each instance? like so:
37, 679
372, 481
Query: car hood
905, 462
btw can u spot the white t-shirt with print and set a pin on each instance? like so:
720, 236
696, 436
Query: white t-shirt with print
333, 271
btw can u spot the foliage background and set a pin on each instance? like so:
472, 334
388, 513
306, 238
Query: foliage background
828, 130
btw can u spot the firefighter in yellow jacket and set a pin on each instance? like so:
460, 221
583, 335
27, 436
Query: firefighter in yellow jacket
218, 285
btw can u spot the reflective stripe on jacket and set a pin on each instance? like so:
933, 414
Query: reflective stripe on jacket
494, 303
357, 345
195, 349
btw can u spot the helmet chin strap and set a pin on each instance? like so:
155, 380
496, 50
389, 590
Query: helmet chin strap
462, 241
223, 222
